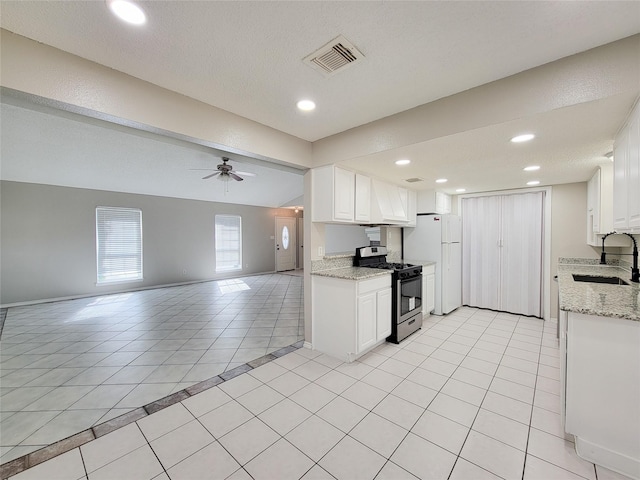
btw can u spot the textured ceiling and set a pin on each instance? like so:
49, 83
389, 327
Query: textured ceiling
246, 57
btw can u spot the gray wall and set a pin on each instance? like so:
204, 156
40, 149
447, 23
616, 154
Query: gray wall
48, 240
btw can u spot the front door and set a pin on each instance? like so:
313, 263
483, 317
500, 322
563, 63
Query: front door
285, 243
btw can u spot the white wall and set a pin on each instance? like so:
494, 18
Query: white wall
344, 238
78, 85
49, 243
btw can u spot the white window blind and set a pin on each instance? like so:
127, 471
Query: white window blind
119, 244
228, 240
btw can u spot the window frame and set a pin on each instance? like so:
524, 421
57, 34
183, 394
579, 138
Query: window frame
105, 277
218, 241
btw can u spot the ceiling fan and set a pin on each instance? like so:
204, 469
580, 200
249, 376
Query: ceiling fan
225, 171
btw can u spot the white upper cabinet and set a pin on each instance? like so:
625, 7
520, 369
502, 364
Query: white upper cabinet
343, 196
412, 217
363, 199
333, 194
600, 209
633, 173
430, 201
626, 176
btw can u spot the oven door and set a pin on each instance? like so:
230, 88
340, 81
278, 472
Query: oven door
409, 297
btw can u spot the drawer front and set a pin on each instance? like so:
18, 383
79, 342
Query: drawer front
428, 269
373, 284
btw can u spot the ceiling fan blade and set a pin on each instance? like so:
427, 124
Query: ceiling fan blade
246, 174
235, 177
212, 175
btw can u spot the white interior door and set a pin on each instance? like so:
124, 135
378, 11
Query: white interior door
521, 255
503, 251
285, 243
481, 252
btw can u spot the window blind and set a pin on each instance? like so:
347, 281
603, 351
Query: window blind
119, 244
228, 242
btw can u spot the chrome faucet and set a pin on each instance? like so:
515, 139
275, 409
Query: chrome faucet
635, 272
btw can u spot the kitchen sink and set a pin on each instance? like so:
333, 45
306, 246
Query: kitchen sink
596, 279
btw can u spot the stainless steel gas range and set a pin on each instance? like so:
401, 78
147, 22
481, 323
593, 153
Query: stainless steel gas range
406, 290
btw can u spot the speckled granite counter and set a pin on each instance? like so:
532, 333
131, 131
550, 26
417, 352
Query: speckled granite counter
622, 301
352, 273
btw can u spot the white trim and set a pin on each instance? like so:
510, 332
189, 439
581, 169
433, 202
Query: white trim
546, 261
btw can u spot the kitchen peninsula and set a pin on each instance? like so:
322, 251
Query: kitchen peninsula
600, 363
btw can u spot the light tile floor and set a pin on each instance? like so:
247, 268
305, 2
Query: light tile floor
473, 395
69, 365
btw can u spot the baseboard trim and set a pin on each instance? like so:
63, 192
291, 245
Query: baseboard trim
615, 461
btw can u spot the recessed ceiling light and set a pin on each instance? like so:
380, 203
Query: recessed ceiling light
531, 168
533, 182
306, 105
523, 138
403, 162
441, 180
127, 11
460, 190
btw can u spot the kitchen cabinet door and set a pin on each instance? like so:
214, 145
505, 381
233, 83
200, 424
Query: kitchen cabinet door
633, 174
343, 194
620, 196
363, 198
383, 314
593, 207
367, 312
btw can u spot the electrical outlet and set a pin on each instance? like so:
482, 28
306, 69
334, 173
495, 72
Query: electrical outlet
184, 271
320, 251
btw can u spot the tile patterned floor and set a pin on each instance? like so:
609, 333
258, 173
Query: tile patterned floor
473, 395
69, 365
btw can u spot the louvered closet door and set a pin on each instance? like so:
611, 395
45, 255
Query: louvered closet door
502, 252
481, 252
521, 270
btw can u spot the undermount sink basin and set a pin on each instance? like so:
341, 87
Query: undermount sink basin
595, 279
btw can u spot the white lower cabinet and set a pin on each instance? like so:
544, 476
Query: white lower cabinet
350, 317
600, 389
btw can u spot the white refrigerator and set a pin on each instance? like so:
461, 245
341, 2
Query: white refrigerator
437, 238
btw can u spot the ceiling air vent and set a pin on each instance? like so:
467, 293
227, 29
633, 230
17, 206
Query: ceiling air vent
335, 56
414, 180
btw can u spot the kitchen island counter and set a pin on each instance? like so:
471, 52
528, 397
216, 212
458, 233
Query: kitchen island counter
600, 299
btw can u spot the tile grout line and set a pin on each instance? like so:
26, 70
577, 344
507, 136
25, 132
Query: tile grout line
36, 457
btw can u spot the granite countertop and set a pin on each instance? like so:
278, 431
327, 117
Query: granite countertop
352, 273
621, 301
